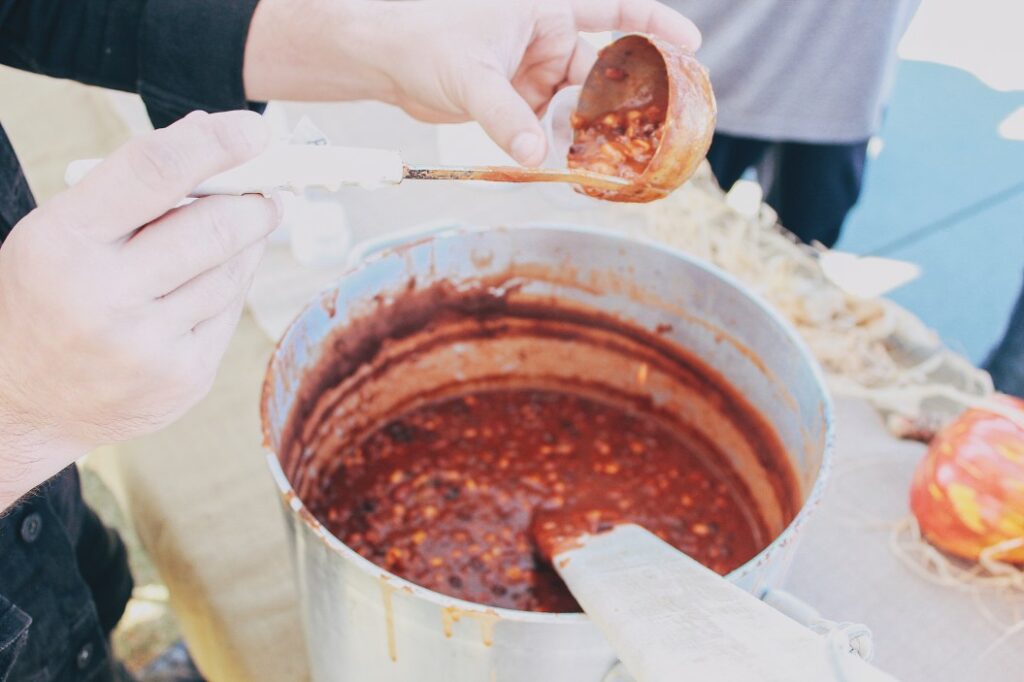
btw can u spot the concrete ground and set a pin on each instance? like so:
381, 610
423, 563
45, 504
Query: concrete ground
946, 189
148, 626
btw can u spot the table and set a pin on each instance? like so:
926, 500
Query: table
205, 508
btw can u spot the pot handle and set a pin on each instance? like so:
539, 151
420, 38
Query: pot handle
853, 637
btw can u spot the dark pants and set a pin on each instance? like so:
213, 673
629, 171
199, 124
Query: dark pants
1006, 361
810, 186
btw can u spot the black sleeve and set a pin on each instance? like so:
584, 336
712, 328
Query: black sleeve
180, 55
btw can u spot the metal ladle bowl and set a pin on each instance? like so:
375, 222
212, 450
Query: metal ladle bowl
647, 70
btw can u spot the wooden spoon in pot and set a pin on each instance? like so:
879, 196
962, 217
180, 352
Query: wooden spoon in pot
669, 618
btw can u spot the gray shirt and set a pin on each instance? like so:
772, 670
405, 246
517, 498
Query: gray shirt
800, 70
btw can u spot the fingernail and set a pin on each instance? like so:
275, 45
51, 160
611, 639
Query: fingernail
526, 147
242, 134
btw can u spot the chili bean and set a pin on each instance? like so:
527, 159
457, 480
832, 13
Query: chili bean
618, 142
399, 432
614, 74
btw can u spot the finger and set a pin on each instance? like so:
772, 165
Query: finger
582, 60
211, 293
210, 337
152, 173
644, 16
193, 239
506, 117
534, 85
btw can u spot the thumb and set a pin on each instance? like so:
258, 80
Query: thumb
506, 117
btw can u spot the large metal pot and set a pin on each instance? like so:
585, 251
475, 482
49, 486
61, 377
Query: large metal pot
362, 623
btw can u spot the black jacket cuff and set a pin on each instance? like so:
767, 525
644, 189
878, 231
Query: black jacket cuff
14, 625
191, 55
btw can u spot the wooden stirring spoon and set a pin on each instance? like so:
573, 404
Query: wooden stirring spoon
669, 618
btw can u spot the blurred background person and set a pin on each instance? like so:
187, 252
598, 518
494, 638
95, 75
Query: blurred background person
1006, 361
801, 86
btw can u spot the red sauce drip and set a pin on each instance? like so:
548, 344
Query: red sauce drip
444, 495
620, 142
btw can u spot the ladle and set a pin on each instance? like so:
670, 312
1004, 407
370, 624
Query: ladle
669, 618
295, 168
637, 71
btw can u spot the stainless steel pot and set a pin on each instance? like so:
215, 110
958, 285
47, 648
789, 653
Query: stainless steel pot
362, 623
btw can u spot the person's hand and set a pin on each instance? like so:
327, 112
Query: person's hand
115, 306
498, 62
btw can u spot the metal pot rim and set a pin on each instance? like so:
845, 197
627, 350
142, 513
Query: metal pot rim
296, 506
